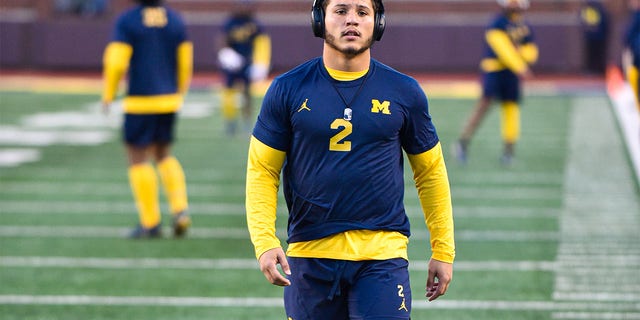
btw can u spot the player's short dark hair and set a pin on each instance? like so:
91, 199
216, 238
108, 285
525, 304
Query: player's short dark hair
149, 2
376, 4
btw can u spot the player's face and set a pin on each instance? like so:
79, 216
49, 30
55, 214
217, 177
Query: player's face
349, 26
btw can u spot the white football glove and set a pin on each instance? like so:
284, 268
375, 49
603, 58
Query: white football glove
258, 72
230, 60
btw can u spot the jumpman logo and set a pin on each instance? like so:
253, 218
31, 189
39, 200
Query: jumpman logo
403, 306
304, 106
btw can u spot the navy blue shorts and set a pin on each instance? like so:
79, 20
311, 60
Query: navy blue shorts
338, 289
144, 129
503, 85
242, 76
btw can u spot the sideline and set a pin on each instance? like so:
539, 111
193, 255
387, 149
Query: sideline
624, 106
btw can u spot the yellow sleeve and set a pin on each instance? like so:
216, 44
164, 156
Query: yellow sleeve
263, 180
185, 66
529, 52
507, 53
262, 50
115, 63
432, 182
632, 77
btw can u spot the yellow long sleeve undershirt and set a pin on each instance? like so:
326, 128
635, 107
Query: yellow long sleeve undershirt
516, 59
263, 176
432, 183
263, 180
262, 50
116, 60
115, 63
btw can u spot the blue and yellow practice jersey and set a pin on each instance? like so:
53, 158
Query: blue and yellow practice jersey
344, 169
151, 43
240, 32
509, 44
632, 37
594, 20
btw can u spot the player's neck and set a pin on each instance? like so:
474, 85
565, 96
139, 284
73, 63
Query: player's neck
338, 61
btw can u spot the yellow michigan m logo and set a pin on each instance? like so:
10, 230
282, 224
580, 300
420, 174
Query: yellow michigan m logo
377, 106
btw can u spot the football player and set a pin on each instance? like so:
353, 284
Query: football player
150, 42
632, 49
244, 58
337, 127
508, 55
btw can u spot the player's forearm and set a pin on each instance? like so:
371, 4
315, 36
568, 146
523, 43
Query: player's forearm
115, 63
529, 53
500, 43
185, 66
263, 179
432, 182
262, 50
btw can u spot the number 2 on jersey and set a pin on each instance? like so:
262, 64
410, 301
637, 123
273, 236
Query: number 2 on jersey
337, 142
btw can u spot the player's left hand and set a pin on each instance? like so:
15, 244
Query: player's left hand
268, 265
440, 275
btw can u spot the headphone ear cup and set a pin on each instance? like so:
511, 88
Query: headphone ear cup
317, 19
379, 26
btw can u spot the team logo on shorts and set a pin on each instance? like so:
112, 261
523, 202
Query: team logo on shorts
403, 305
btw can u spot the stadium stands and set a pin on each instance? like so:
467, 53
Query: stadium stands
445, 33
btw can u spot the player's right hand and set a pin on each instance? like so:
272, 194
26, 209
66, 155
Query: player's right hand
230, 60
269, 266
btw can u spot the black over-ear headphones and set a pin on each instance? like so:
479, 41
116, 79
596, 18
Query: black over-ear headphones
317, 19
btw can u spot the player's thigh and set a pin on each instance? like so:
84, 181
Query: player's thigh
510, 87
490, 84
382, 291
312, 294
237, 78
164, 128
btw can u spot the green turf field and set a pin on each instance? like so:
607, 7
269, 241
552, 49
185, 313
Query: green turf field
553, 237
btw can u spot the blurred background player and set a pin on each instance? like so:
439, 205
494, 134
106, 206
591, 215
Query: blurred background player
509, 52
594, 21
244, 58
150, 41
631, 58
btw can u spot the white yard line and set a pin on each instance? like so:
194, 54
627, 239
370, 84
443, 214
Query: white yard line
12, 157
159, 301
203, 189
624, 107
198, 263
595, 315
600, 219
63, 232
93, 188
101, 207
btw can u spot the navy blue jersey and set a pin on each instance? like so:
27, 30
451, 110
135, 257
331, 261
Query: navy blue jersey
344, 174
632, 37
240, 31
154, 34
518, 30
594, 20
